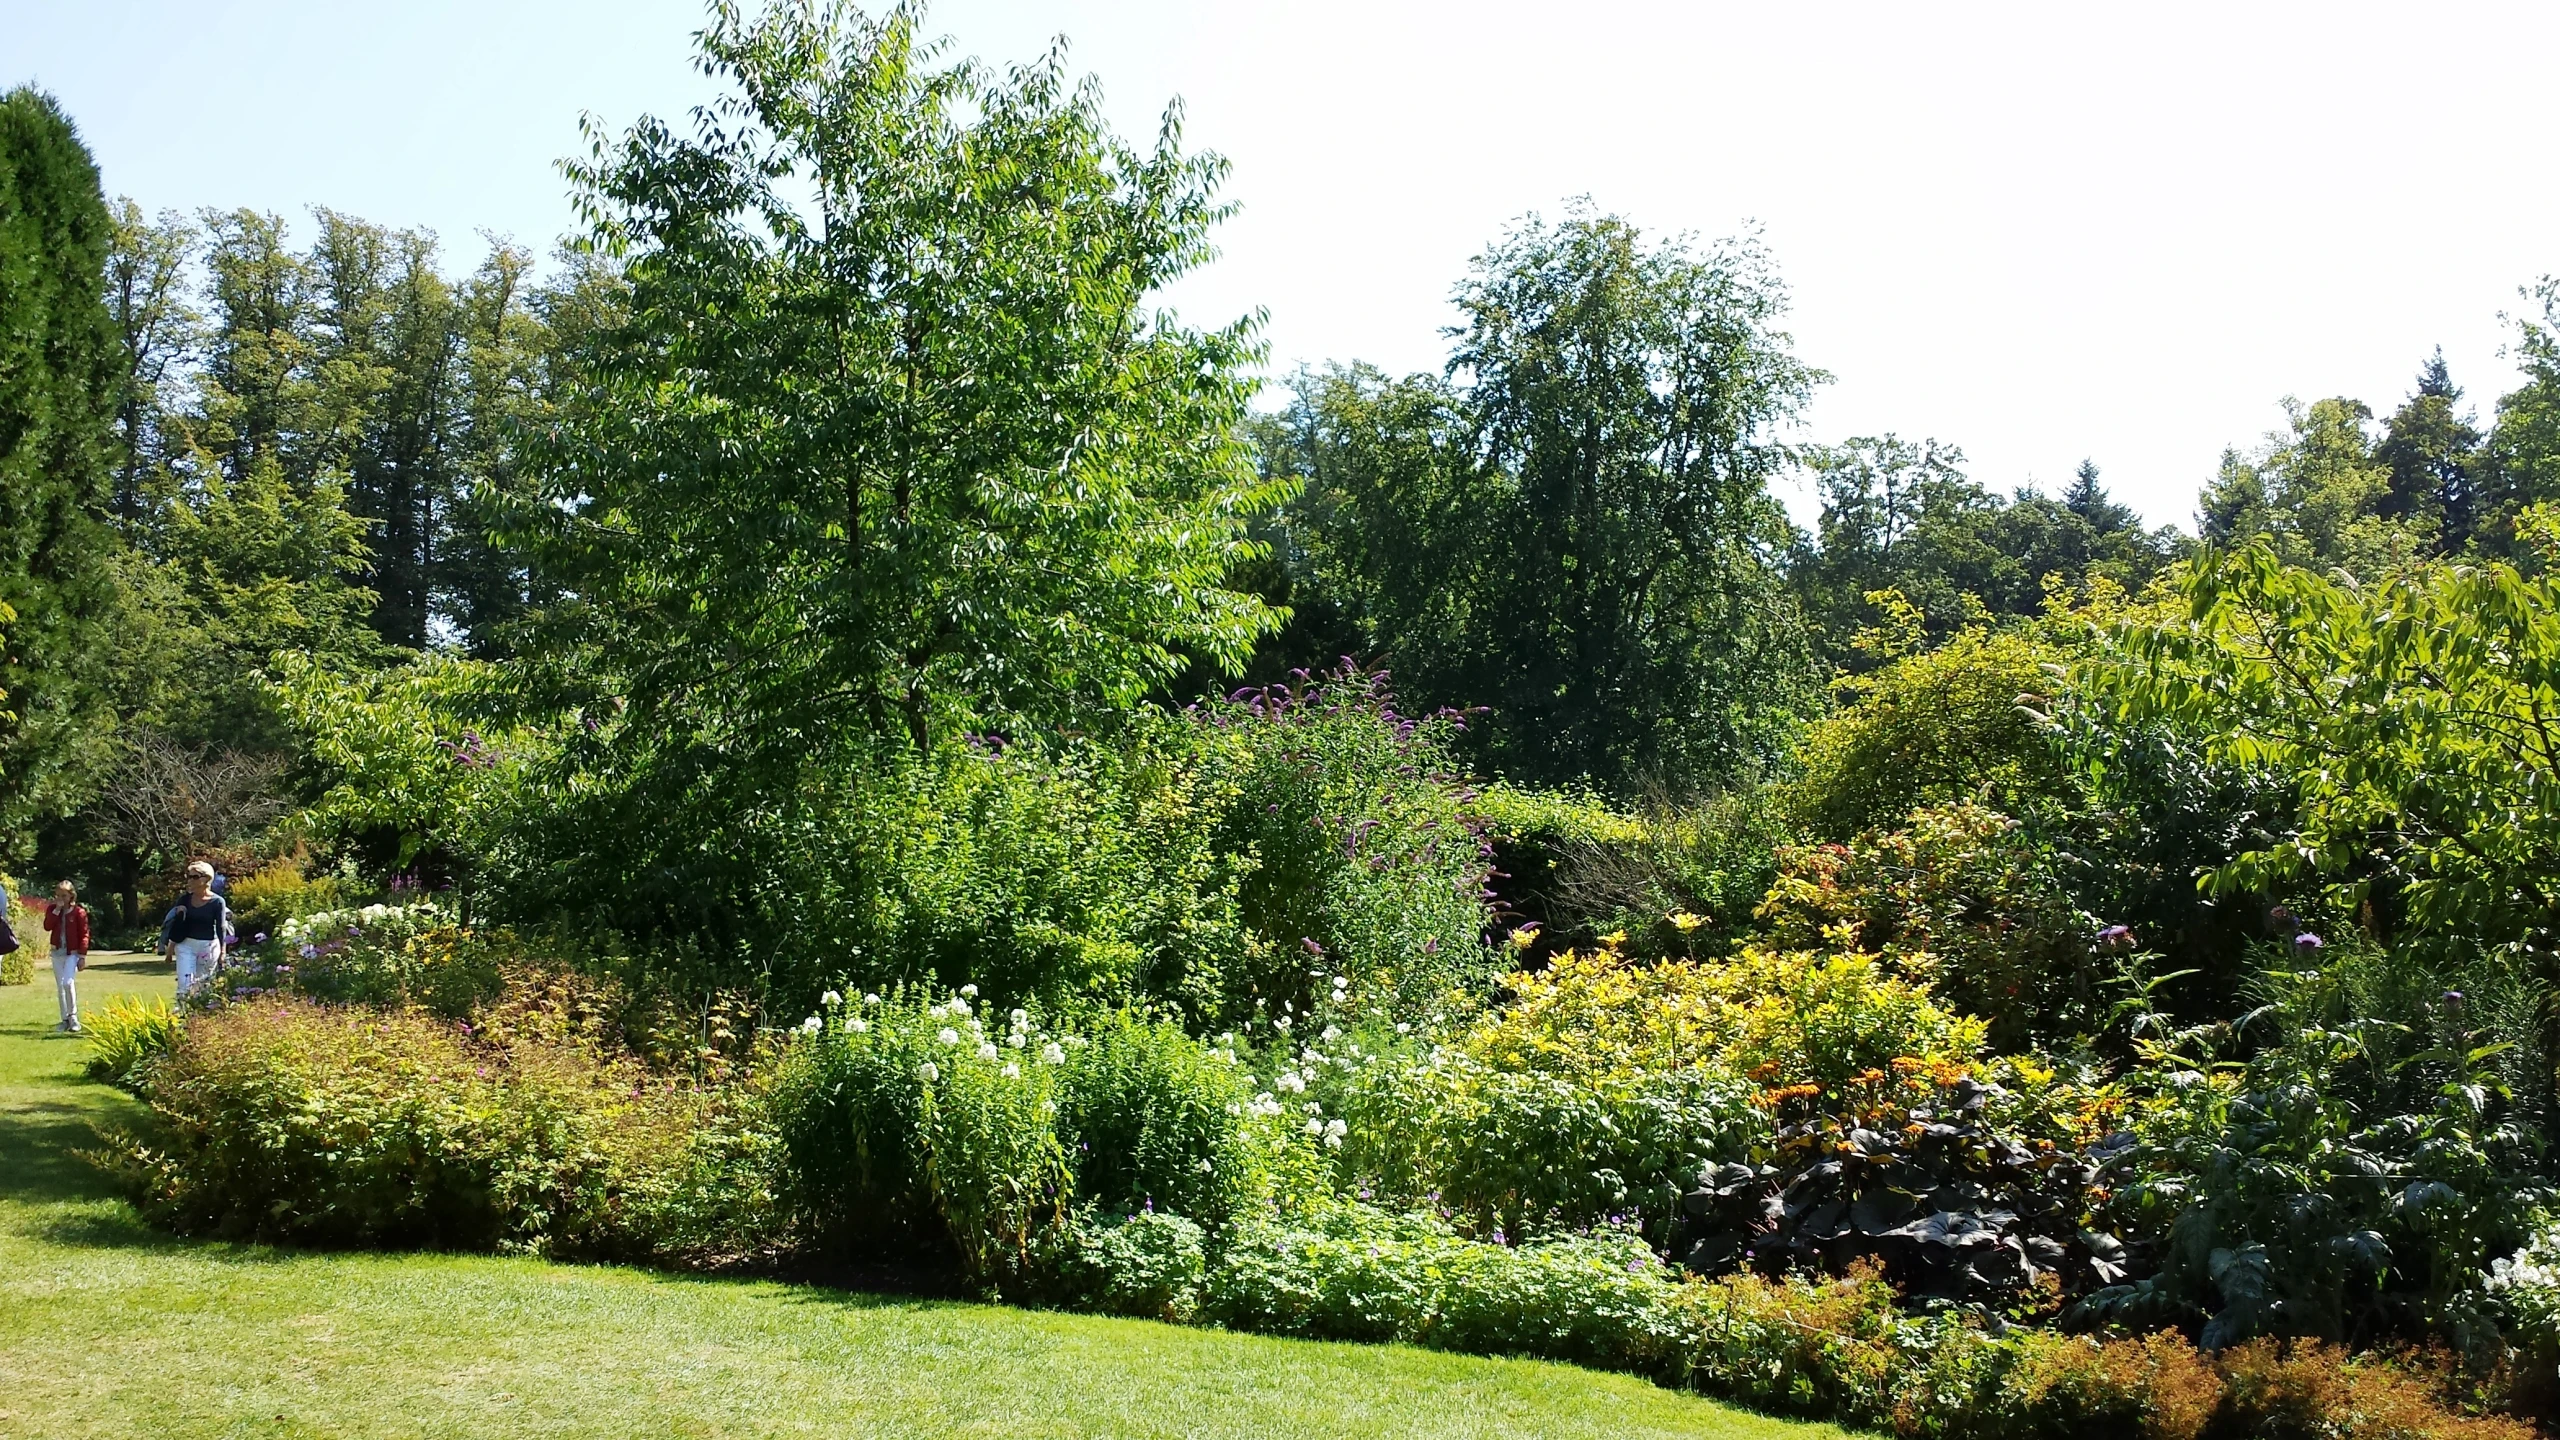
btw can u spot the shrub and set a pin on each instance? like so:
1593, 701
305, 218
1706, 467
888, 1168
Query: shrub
279, 893
1788, 1017
383, 955
126, 1037
1149, 1266
2330, 1185
1355, 1273
916, 1123
1367, 856
2153, 1388
1908, 1170
1947, 724
1959, 896
1152, 1118
1677, 881
18, 967
1524, 1154
279, 1119
2311, 1390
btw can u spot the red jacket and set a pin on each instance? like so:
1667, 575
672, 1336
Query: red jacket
69, 928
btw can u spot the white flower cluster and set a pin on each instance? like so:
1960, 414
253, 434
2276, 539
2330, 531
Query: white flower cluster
958, 1027
384, 923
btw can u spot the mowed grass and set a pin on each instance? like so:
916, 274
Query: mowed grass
109, 1328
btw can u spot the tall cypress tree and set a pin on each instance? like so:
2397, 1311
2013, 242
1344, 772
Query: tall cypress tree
59, 386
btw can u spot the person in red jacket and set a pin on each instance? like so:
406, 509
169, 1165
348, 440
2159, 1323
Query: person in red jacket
66, 920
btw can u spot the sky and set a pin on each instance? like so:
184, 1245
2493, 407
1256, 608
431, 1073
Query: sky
2040, 232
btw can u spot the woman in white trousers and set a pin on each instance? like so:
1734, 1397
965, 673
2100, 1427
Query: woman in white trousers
192, 932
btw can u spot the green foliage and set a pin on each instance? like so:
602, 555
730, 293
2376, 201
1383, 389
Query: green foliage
280, 892
918, 453
386, 955
1148, 1265
126, 1037
1903, 517
1962, 897
57, 401
2349, 1181
1576, 531
1675, 882
284, 1120
2408, 716
1366, 856
407, 777
2320, 495
1956, 722
1153, 1119
892, 1108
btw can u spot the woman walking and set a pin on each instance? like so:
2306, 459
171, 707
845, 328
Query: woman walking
191, 933
66, 920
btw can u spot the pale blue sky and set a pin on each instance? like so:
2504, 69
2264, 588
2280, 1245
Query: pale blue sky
2039, 231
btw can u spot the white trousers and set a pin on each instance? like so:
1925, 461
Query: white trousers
195, 964
66, 990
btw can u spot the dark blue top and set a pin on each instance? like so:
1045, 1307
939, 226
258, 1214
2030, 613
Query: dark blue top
204, 919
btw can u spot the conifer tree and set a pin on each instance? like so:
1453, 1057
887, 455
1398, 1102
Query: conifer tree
58, 391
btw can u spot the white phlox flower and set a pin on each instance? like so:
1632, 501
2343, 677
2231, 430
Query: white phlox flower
831, 999
1012, 1071
948, 1036
1017, 1040
1054, 1055
929, 1071
987, 1052
1332, 1032
811, 1026
855, 1024
970, 991
1021, 1019
959, 1007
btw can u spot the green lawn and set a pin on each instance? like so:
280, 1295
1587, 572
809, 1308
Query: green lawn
108, 1328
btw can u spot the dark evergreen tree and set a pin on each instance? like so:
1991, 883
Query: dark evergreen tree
2088, 499
59, 386
2434, 453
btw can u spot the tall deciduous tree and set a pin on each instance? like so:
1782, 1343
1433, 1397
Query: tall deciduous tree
1573, 529
886, 436
877, 437
59, 385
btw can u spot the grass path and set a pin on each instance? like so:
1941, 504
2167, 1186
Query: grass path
108, 1328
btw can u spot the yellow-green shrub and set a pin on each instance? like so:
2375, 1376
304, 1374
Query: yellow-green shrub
127, 1035
1785, 1017
1950, 723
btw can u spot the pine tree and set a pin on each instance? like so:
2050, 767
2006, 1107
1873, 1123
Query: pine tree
58, 393
2433, 451
2089, 500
